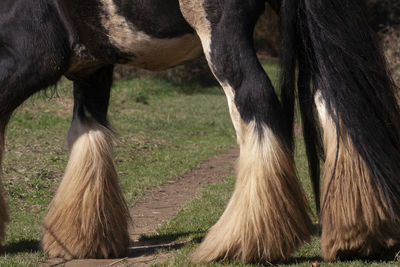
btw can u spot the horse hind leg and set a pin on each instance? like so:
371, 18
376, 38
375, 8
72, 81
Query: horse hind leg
355, 217
267, 216
88, 217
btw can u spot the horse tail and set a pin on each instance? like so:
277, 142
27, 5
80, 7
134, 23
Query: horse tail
290, 56
355, 99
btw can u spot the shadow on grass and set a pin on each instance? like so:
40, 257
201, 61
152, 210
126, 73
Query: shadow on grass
23, 245
384, 256
171, 237
302, 259
148, 245
387, 256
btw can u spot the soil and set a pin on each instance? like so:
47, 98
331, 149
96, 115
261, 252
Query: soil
158, 205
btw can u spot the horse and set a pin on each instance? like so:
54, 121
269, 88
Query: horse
331, 62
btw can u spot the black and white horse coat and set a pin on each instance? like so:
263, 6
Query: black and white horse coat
341, 76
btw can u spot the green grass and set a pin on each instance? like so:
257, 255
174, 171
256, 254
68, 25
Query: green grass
164, 130
167, 136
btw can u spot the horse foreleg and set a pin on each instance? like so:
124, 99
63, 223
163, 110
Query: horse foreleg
88, 216
29, 61
267, 216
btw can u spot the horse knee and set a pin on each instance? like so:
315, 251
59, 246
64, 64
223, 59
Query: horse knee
229, 50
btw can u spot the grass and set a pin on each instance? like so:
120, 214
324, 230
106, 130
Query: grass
164, 130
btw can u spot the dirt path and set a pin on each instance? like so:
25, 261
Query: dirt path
158, 205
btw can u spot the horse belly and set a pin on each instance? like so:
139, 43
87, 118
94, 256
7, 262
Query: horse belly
158, 54
147, 51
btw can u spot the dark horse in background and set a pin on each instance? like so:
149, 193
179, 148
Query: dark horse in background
341, 77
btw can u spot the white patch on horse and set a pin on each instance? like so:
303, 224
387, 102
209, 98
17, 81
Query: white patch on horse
149, 52
321, 106
235, 115
81, 62
196, 16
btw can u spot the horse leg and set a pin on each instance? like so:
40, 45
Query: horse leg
13, 93
88, 216
359, 114
29, 61
356, 219
267, 216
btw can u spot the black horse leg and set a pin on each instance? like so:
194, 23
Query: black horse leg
33, 56
266, 218
88, 216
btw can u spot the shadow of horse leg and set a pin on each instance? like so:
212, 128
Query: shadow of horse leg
88, 217
267, 216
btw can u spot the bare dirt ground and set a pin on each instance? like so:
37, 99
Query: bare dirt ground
158, 205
